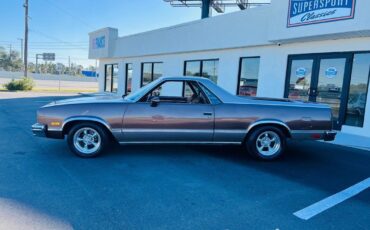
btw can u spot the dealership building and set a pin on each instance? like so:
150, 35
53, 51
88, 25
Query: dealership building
311, 50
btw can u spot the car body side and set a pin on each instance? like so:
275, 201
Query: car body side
231, 121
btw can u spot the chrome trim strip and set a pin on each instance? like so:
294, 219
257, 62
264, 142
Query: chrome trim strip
118, 130
138, 130
178, 142
308, 131
86, 118
238, 131
261, 122
233, 131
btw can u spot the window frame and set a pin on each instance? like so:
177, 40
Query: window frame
240, 72
126, 76
111, 80
201, 66
208, 101
151, 73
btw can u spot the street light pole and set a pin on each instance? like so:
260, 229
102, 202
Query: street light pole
25, 37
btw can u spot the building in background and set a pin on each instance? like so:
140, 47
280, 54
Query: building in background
300, 49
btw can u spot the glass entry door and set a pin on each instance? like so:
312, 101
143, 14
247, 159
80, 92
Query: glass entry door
321, 78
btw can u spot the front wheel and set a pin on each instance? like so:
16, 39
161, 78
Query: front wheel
87, 140
266, 143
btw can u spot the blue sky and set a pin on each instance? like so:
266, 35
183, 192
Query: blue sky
62, 26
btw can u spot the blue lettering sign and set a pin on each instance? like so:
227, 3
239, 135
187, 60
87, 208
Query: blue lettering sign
303, 12
99, 42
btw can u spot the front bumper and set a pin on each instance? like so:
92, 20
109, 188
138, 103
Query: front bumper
329, 135
39, 130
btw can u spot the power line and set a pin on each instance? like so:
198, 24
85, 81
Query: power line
77, 42
48, 36
71, 14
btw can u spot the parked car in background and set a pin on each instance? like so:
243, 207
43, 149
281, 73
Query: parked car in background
356, 105
161, 113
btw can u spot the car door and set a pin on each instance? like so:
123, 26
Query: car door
174, 119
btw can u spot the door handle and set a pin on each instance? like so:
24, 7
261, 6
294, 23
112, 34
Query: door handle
207, 114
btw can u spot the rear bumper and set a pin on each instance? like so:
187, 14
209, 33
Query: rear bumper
313, 135
329, 135
39, 130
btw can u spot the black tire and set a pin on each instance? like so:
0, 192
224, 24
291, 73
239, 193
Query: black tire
90, 127
253, 141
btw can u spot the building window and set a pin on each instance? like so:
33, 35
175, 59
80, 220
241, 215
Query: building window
358, 88
248, 76
111, 78
128, 78
202, 68
150, 71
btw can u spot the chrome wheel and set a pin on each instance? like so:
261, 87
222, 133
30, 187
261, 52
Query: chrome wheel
87, 140
268, 143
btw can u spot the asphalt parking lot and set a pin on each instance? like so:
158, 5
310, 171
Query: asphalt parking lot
44, 186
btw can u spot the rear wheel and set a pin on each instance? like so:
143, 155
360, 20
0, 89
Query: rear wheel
87, 140
266, 143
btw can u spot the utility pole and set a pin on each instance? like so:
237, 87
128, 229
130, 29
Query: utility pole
10, 52
25, 37
69, 65
21, 39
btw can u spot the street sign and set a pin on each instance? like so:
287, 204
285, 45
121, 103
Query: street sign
48, 56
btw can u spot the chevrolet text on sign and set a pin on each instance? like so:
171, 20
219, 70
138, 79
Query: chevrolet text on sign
303, 12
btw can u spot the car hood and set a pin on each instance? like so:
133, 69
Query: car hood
87, 100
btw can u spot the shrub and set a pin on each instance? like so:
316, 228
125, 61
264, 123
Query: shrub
21, 84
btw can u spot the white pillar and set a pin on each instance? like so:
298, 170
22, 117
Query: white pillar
136, 76
228, 67
272, 72
101, 71
121, 78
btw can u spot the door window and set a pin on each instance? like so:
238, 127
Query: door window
326, 78
177, 92
300, 79
330, 83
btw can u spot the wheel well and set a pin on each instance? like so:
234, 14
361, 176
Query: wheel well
284, 129
67, 127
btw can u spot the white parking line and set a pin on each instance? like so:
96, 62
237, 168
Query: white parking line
333, 200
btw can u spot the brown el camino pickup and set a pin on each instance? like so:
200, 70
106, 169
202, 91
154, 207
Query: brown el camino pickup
185, 110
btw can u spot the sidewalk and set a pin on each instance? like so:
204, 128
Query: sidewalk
353, 141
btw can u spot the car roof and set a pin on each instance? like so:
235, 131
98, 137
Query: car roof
184, 78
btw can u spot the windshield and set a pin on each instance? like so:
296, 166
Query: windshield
141, 92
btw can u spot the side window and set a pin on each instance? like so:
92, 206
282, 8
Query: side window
213, 98
177, 92
169, 89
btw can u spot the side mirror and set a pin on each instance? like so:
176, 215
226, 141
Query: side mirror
154, 101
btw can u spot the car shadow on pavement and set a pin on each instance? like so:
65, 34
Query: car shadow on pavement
321, 165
